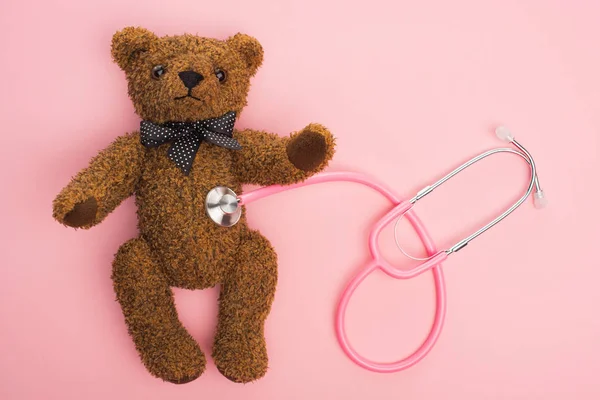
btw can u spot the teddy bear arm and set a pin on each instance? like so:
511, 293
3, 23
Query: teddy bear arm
268, 159
98, 189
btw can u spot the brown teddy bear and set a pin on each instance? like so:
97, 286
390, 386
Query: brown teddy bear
188, 91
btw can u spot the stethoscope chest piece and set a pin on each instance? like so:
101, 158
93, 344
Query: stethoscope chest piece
222, 206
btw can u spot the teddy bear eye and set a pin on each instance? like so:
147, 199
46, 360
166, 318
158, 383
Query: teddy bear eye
220, 74
158, 71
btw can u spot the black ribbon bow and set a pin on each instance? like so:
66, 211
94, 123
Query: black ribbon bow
187, 136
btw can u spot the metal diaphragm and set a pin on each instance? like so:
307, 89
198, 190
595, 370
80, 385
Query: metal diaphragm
222, 206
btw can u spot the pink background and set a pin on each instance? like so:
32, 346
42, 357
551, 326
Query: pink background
410, 88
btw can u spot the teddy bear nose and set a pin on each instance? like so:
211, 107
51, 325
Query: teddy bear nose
190, 79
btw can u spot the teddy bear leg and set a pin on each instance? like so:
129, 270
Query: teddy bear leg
247, 293
165, 347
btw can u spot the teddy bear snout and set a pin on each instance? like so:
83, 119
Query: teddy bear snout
190, 79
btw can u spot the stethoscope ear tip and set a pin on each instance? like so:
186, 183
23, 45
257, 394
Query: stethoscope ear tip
504, 134
539, 199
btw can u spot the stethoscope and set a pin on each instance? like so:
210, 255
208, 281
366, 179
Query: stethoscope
223, 206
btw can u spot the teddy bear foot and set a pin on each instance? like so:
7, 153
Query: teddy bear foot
242, 362
185, 379
240, 378
178, 362
244, 369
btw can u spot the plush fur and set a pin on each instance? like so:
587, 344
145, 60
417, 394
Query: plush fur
178, 245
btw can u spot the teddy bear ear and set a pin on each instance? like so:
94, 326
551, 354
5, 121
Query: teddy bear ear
249, 49
130, 42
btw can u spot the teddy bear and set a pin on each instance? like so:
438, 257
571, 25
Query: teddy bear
188, 92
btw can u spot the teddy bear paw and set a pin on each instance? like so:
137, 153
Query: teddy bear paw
310, 148
84, 213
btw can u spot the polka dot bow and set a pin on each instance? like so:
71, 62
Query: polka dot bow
187, 136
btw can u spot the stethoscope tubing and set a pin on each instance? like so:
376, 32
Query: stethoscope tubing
438, 319
338, 176
376, 263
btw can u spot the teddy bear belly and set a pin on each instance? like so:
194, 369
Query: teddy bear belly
194, 257
193, 250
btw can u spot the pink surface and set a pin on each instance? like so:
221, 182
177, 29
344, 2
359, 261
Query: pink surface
410, 89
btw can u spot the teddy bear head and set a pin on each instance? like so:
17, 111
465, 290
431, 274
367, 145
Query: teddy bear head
186, 78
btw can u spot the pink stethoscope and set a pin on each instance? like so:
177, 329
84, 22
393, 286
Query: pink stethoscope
224, 207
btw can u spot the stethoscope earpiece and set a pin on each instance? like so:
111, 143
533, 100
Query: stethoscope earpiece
504, 134
539, 199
